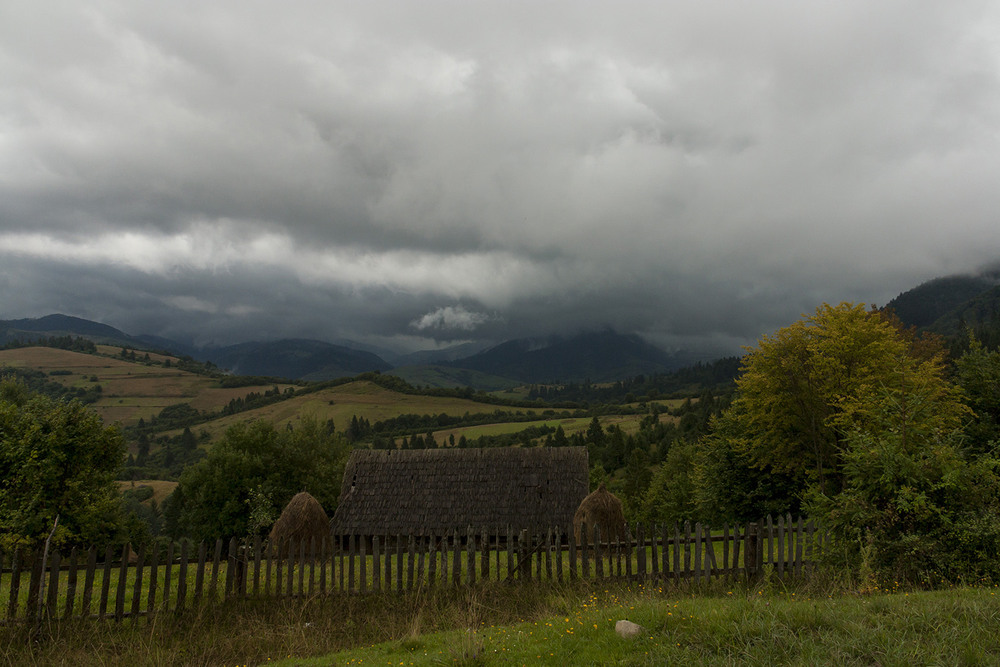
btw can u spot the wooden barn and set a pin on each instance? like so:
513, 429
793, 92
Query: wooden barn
390, 492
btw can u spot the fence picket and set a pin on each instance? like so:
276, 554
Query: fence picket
105, 584
664, 552
182, 577
798, 546
363, 584
15, 584
710, 564
120, 590
399, 563
697, 552
256, 565
422, 564
559, 554
376, 566
548, 554
323, 551
388, 566
153, 575
470, 556
167, 572
677, 554
199, 577
70, 584
432, 557
52, 594
598, 553
351, 549
725, 549
410, 563
312, 565
781, 546
484, 556
137, 589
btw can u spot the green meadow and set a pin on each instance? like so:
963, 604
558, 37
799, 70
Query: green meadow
807, 623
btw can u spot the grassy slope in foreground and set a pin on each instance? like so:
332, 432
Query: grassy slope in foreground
955, 626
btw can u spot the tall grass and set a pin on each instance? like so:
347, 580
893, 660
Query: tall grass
815, 622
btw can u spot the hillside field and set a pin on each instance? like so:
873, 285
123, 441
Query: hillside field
361, 398
130, 390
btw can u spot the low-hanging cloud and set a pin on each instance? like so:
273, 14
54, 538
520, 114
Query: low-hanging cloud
454, 318
414, 171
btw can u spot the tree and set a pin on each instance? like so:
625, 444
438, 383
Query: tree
978, 372
57, 459
805, 388
253, 471
922, 510
859, 413
637, 479
728, 487
670, 495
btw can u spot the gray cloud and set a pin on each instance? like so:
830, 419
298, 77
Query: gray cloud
417, 172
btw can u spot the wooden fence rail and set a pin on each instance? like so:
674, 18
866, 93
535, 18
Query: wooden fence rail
126, 584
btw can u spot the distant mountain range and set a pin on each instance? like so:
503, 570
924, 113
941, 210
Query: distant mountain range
944, 305
598, 356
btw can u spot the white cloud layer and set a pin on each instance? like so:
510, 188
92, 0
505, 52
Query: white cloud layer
688, 170
450, 317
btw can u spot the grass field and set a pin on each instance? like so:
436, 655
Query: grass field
363, 399
129, 390
715, 624
741, 627
134, 390
570, 425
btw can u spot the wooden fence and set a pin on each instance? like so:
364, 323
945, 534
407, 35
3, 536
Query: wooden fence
127, 584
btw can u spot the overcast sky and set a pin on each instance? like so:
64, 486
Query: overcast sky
412, 173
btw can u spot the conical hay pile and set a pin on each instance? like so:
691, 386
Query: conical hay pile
302, 519
601, 508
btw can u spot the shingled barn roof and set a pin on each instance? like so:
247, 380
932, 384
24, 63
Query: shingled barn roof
388, 492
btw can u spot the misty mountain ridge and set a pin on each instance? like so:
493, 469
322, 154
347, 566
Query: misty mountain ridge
599, 356
55, 325
944, 305
596, 356
947, 304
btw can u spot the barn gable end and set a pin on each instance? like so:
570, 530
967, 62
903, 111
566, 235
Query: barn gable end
418, 491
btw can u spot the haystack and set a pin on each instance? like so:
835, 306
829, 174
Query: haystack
601, 508
302, 519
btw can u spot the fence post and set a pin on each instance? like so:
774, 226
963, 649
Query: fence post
751, 553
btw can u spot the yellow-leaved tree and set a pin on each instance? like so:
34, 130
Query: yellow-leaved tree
859, 415
803, 390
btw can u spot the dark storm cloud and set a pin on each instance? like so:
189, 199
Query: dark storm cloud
433, 171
